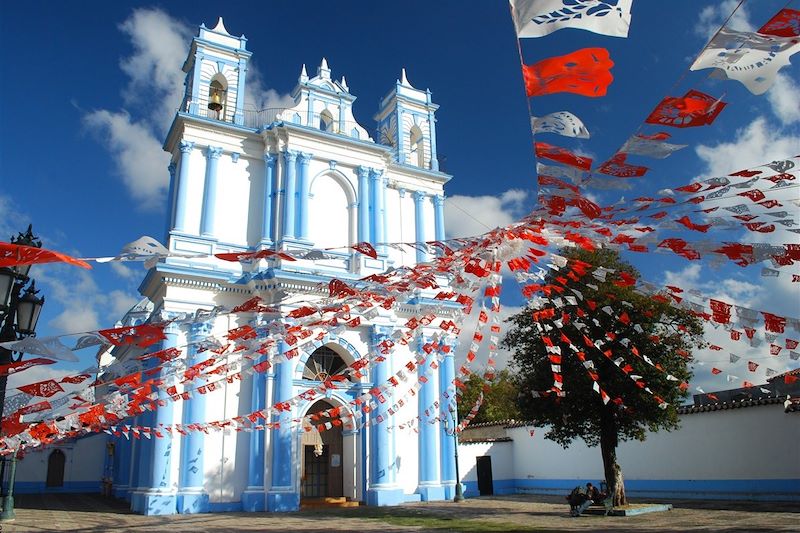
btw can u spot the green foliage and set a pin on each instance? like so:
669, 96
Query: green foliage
665, 330
499, 402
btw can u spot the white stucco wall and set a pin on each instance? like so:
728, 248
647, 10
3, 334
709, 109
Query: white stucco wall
751, 452
83, 467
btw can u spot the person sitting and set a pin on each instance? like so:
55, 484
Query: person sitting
592, 495
576, 499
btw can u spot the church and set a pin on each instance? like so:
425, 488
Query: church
312, 178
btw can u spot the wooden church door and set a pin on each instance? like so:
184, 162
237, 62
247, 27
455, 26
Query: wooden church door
55, 469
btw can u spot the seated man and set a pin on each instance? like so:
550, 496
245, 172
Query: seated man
576, 499
592, 496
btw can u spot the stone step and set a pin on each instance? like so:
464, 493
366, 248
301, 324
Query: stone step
307, 503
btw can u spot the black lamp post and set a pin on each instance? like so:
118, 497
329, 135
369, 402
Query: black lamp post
459, 497
19, 313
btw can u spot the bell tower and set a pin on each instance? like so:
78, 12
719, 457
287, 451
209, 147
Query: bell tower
215, 75
406, 122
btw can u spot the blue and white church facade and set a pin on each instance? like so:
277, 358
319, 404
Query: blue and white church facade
302, 178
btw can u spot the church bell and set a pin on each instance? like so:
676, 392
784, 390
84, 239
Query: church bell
214, 100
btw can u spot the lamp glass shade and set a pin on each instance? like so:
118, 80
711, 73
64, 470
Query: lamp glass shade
7, 279
28, 310
22, 270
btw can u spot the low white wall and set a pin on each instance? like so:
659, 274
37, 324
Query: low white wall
745, 453
83, 468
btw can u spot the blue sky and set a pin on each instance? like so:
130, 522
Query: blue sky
91, 88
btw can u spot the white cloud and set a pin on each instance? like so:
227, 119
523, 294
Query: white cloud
755, 144
155, 79
783, 99
141, 162
123, 271
84, 306
467, 216
12, 221
152, 95
712, 17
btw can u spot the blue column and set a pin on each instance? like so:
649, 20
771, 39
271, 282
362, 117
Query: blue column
377, 223
170, 200
191, 494
182, 187
430, 487
384, 220
447, 374
136, 461
208, 217
419, 223
382, 488
289, 187
194, 107
266, 208
238, 118
143, 466
438, 213
302, 192
253, 497
122, 474
282, 496
363, 203
159, 498
432, 129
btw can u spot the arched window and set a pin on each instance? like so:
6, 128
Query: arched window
322, 364
217, 96
417, 154
55, 469
326, 121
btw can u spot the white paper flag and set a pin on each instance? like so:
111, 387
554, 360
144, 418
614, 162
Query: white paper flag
537, 18
751, 58
561, 123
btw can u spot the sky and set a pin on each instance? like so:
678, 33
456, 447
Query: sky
90, 92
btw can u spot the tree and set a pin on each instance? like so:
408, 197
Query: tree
641, 396
499, 398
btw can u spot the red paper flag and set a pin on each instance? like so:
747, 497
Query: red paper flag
16, 254
44, 389
616, 166
366, 249
786, 23
586, 72
19, 366
693, 109
562, 155
752, 366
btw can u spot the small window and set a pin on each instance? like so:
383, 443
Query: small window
354, 133
417, 154
322, 364
217, 97
326, 121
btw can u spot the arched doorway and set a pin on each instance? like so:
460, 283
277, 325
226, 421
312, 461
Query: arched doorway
55, 469
322, 470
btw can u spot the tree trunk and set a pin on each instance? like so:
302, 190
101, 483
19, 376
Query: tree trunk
608, 448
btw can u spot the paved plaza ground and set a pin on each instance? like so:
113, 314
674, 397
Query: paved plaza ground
93, 513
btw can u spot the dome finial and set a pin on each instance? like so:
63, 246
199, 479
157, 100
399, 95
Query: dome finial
220, 27
344, 84
404, 78
303, 74
324, 71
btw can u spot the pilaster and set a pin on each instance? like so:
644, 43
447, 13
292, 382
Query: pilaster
430, 486
208, 217
182, 187
191, 494
266, 210
438, 212
419, 224
382, 487
290, 193
447, 375
363, 204
282, 496
303, 191
254, 496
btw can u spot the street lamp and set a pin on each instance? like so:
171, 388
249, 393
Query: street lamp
19, 313
459, 497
